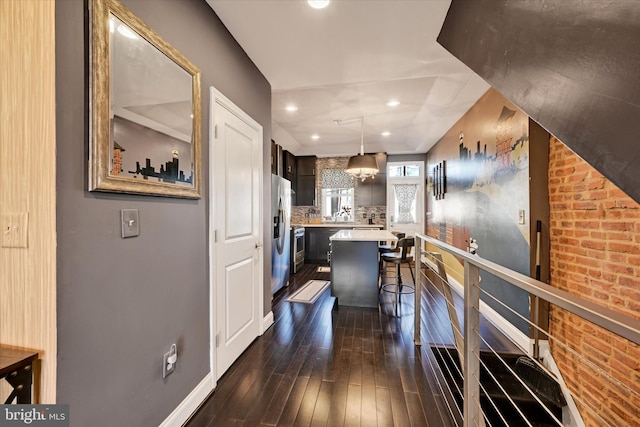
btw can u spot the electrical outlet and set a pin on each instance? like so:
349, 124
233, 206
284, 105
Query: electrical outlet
521, 216
166, 368
14, 229
169, 360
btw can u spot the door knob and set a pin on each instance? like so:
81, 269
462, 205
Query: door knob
258, 245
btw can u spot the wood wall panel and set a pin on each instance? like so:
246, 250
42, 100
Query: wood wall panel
28, 182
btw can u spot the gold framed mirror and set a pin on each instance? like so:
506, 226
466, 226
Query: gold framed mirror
145, 109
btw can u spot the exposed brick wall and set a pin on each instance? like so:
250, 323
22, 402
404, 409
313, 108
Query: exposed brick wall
595, 253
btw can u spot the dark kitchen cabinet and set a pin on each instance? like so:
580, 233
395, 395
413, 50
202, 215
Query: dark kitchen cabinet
289, 163
324, 244
306, 190
310, 239
306, 181
373, 191
274, 157
289, 172
306, 165
317, 243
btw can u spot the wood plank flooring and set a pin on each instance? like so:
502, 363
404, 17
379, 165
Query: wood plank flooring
322, 367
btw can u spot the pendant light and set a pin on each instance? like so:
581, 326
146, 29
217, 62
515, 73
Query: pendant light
361, 166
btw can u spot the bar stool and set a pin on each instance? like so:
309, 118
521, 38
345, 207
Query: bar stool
385, 249
397, 259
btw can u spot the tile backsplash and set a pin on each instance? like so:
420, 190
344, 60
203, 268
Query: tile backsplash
360, 215
300, 214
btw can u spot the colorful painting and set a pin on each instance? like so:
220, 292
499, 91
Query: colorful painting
487, 193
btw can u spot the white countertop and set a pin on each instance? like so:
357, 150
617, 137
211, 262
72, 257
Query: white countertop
339, 225
363, 235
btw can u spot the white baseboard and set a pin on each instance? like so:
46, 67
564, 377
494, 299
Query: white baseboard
514, 334
191, 403
570, 415
267, 321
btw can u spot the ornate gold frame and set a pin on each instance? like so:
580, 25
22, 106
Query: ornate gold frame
100, 178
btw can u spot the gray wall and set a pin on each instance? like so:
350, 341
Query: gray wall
121, 303
572, 66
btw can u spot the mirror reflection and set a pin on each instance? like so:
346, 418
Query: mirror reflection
145, 109
151, 110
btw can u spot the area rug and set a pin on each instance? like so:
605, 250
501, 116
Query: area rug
323, 269
309, 292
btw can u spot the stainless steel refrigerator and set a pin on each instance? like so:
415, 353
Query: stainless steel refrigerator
280, 235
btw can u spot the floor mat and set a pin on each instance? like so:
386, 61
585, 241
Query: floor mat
309, 292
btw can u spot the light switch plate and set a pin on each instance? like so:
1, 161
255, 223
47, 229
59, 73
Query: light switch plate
130, 223
14, 229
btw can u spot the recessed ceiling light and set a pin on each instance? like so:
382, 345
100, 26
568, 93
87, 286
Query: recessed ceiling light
315, 136
291, 108
385, 133
318, 4
393, 103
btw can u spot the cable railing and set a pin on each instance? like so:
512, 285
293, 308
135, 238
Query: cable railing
481, 383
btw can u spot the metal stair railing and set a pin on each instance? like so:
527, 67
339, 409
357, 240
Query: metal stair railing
469, 343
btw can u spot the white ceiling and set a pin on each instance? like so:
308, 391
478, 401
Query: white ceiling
349, 60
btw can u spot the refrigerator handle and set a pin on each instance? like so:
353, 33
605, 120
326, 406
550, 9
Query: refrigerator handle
276, 226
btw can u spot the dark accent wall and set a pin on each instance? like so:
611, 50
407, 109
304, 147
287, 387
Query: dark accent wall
572, 66
122, 302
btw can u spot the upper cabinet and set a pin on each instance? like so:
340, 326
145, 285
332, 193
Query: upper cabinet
373, 191
306, 181
306, 165
274, 157
289, 164
289, 173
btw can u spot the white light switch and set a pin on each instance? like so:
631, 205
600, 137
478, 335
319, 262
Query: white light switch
130, 226
14, 229
521, 216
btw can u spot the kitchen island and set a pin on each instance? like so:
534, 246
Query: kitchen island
354, 266
317, 237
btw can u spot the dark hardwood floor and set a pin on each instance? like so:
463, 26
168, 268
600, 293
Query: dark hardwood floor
322, 367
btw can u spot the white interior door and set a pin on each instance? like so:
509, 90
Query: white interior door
237, 237
405, 197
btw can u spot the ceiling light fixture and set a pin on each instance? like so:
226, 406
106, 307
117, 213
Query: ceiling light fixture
393, 103
291, 108
318, 4
361, 166
385, 133
315, 136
